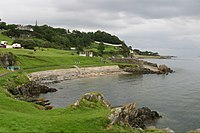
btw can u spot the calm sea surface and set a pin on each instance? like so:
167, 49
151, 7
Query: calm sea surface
176, 96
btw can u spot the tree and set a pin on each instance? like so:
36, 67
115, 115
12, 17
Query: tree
130, 47
3, 25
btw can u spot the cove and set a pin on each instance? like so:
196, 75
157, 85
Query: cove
176, 96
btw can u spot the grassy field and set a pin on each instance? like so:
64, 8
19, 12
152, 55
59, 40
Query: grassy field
44, 59
5, 38
19, 116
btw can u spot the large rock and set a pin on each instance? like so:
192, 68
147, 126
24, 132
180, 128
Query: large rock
31, 89
92, 99
164, 69
130, 116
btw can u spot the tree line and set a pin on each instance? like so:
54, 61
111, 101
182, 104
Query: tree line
60, 38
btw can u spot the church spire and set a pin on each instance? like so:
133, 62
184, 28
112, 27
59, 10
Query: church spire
36, 24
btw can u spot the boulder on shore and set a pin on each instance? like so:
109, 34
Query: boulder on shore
164, 69
130, 116
31, 89
124, 115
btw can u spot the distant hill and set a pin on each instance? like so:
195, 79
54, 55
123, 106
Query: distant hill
60, 38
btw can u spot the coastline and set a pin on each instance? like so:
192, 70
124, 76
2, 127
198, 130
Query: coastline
58, 75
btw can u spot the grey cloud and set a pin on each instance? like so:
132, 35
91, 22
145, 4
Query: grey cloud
158, 25
145, 8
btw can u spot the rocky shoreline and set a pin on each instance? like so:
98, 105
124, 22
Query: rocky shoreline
141, 67
54, 76
125, 115
30, 91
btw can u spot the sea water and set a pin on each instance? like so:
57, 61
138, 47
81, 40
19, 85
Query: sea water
175, 96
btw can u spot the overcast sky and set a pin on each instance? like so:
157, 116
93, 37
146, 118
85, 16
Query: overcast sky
170, 27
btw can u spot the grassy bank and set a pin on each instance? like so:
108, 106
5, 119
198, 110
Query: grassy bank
46, 59
5, 38
20, 116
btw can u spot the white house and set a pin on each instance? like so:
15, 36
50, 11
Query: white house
3, 44
86, 53
16, 45
82, 53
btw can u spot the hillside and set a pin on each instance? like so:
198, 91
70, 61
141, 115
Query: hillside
59, 38
5, 38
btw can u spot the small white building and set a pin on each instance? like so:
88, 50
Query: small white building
72, 48
3, 44
16, 45
9, 46
86, 53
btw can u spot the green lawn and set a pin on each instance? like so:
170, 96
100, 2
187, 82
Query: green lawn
44, 59
5, 38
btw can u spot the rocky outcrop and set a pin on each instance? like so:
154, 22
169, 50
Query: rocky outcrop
125, 115
7, 59
31, 89
93, 99
133, 61
130, 116
164, 69
140, 70
29, 92
143, 67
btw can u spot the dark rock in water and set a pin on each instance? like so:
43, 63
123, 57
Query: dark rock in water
164, 69
31, 89
44, 104
130, 116
28, 92
48, 107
